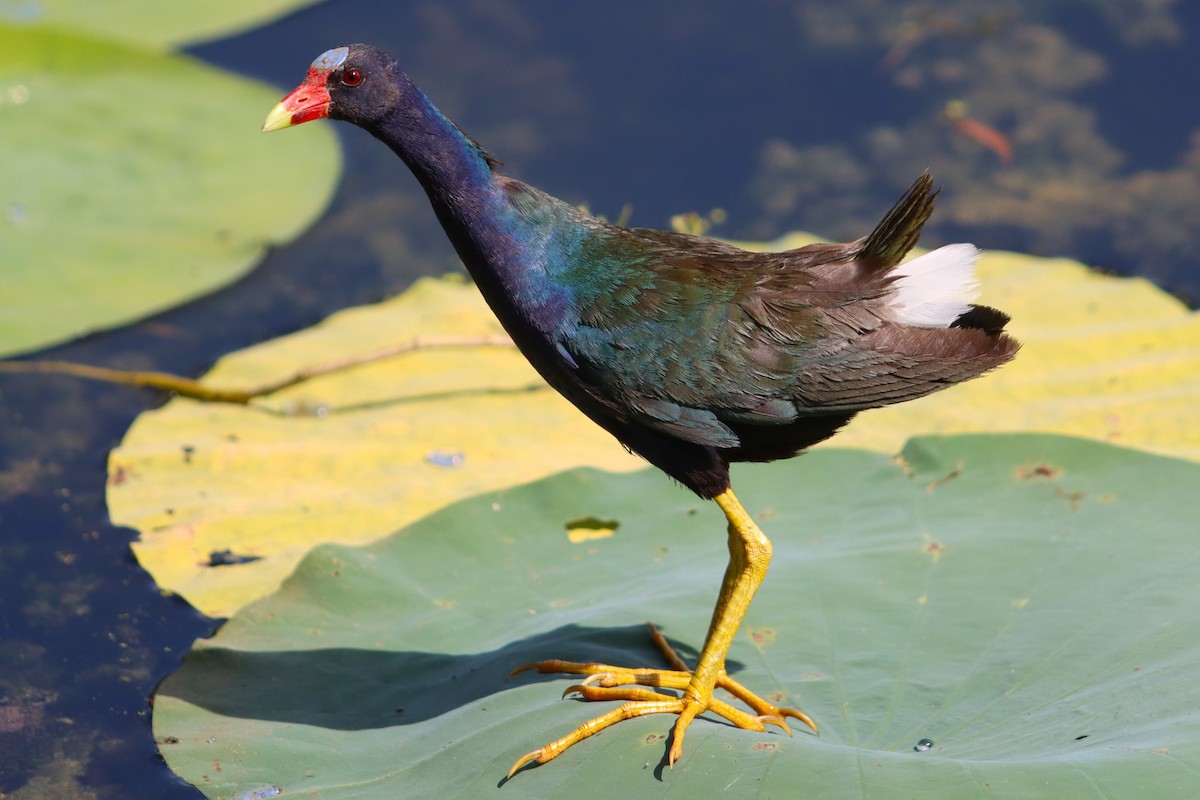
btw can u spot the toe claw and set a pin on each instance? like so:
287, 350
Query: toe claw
524, 760
641, 692
674, 754
800, 715
775, 719
523, 668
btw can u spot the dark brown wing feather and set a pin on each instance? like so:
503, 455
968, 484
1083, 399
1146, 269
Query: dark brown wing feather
760, 355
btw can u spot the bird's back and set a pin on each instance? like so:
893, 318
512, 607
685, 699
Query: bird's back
762, 354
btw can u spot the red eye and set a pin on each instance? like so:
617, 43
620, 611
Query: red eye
352, 77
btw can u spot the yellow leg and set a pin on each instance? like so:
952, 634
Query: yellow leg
749, 555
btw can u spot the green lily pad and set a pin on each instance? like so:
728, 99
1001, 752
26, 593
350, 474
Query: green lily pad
134, 181
1027, 603
148, 21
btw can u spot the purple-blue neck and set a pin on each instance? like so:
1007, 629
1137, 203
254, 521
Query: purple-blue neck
506, 246
452, 169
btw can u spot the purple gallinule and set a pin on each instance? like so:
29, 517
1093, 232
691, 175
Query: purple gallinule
693, 353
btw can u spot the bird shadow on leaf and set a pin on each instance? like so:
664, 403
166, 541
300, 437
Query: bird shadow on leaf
357, 689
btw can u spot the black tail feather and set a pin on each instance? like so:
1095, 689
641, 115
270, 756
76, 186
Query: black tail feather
984, 318
900, 229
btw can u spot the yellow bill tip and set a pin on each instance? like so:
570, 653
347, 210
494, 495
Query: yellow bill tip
280, 117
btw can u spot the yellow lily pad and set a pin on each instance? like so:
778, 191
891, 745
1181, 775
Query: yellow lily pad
345, 458
353, 456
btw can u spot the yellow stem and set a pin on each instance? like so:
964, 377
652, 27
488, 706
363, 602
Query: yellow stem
187, 387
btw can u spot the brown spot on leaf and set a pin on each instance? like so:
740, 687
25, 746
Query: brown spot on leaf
933, 548
949, 476
1071, 497
120, 475
1033, 471
762, 636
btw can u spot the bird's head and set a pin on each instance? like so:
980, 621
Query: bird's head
354, 83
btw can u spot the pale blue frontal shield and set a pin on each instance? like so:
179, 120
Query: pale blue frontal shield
331, 59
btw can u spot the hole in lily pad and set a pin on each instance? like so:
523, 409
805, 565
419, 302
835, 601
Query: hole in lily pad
228, 558
583, 529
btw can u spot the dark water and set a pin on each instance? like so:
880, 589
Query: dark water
787, 115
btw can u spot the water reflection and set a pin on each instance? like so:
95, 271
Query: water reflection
1070, 189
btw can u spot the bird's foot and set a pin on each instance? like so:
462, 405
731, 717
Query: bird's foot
607, 682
